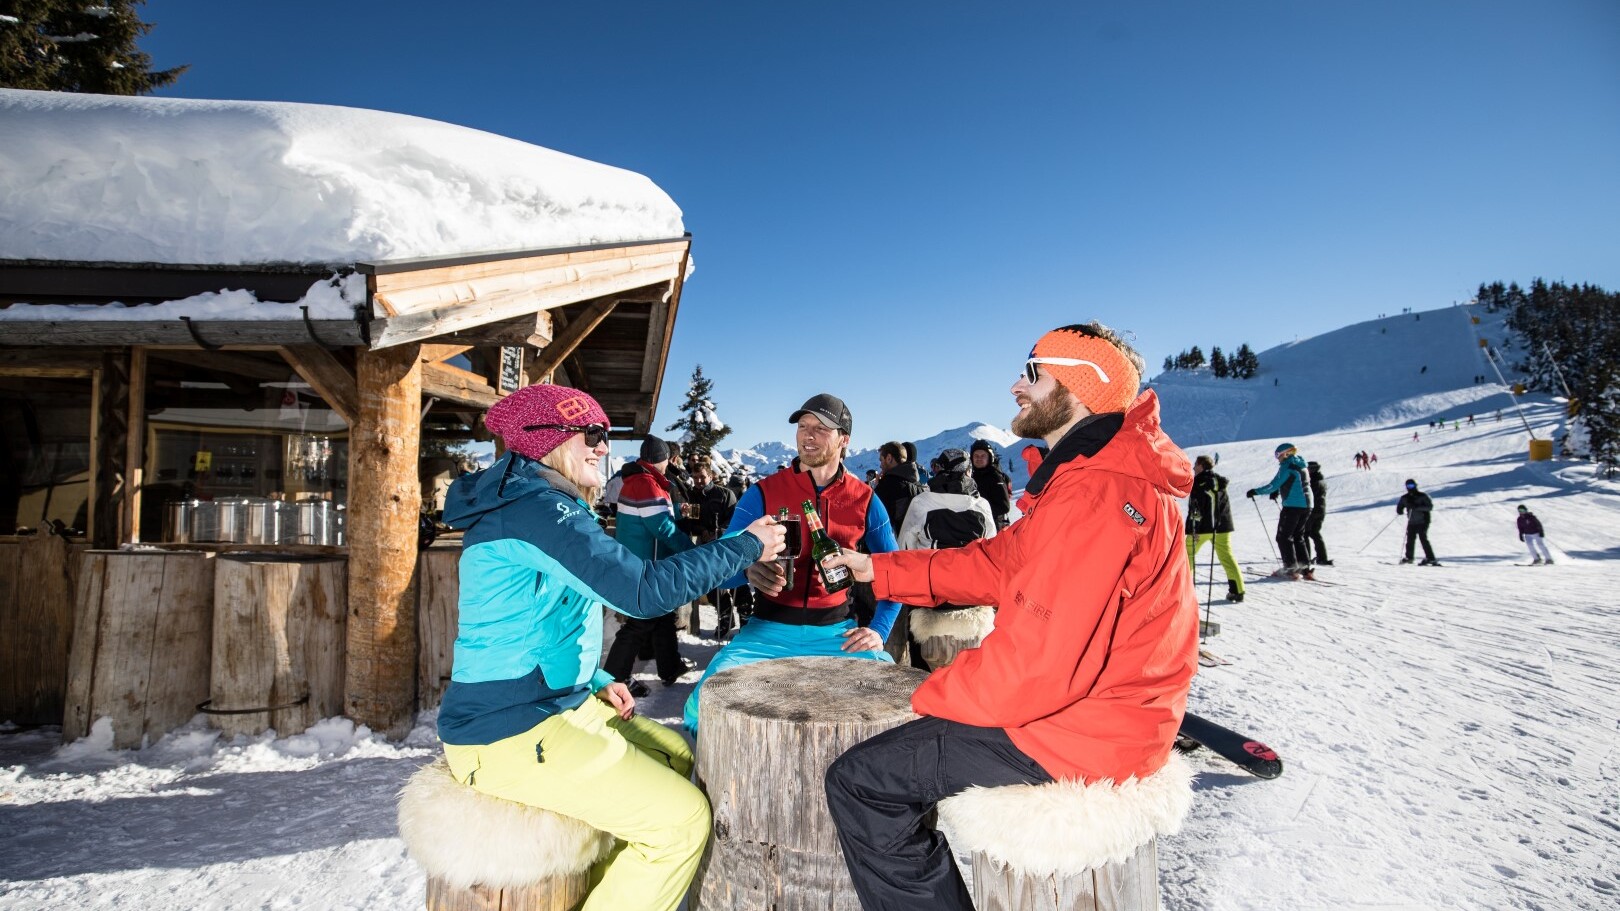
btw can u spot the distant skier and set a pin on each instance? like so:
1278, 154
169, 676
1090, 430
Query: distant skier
1209, 518
1416, 505
1531, 534
1290, 483
1313, 522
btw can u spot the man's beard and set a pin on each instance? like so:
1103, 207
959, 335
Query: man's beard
817, 460
1044, 415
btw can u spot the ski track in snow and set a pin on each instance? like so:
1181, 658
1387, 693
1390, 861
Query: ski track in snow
1450, 734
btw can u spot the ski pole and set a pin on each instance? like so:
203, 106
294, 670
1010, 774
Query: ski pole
1377, 536
1209, 587
1274, 555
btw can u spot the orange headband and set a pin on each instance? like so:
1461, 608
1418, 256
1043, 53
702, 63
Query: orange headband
1114, 395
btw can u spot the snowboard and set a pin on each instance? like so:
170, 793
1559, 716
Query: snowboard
1248, 754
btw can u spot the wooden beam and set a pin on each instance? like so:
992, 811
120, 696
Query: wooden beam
327, 376
456, 315
134, 449
561, 347
385, 501
223, 333
232, 363
110, 442
18, 361
433, 354
455, 386
407, 288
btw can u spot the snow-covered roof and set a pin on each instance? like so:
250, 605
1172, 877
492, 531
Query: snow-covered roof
100, 178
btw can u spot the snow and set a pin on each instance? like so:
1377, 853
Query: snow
1450, 733
102, 178
330, 299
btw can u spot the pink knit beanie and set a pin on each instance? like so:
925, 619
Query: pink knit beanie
542, 404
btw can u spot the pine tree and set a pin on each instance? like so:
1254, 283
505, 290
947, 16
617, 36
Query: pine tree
77, 46
1217, 363
1169, 363
1245, 364
701, 426
1195, 357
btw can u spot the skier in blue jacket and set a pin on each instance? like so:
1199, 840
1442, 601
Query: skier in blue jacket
518, 720
1293, 486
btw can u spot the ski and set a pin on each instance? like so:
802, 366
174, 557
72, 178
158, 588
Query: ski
1248, 754
1268, 577
1208, 658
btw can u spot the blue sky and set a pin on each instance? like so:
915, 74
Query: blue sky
891, 201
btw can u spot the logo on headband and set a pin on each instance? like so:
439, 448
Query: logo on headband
573, 408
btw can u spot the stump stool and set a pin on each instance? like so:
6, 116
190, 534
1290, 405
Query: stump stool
943, 632
482, 853
1068, 846
767, 733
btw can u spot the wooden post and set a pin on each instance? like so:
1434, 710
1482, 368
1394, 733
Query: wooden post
439, 588
37, 577
385, 501
768, 733
109, 436
129, 524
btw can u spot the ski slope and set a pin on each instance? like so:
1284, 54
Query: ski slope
1449, 733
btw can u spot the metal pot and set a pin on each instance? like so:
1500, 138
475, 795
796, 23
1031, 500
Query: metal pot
233, 520
319, 522
270, 522
203, 528
178, 516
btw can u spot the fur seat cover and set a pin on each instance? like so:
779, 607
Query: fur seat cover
467, 838
959, 622
1068, 827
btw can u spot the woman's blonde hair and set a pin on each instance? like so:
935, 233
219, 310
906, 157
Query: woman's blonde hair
564, 462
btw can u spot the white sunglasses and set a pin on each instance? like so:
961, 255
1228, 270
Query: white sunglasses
1032, 374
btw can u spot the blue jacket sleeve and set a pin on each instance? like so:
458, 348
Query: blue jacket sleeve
880, 540
750, 506
1276, 483
568, 544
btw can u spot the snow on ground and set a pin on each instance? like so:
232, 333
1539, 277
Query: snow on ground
174, 180
1450, 733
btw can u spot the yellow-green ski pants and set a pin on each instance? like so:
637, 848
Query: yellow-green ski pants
626, 778
1223, 552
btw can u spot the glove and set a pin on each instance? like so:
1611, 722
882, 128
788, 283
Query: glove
1273, 496
1249, 493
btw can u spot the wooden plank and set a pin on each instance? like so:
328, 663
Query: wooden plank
327, 376
182, 639
436, 321
458, 387
515, 331
36, 627
134, 449
438, 616
231, 363
83, 360
110, 441
432, 354
393, 283
174, 332
652, 359
385, 501
46, 372
564, 345
86, 645
457, 292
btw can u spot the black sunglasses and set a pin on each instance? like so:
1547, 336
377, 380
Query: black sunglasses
595, 434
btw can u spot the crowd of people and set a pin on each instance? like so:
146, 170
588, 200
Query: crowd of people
1086, 677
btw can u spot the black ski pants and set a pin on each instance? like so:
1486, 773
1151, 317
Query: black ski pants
634, 633
881, 790
1414, 533
1313, 531
1291, 544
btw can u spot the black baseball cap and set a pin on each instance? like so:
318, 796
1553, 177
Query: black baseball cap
828, 408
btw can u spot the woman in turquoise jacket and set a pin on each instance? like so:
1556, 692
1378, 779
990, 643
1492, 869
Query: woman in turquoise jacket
1293, 486
518, 720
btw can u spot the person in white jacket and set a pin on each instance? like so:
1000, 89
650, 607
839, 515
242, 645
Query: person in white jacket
949, 514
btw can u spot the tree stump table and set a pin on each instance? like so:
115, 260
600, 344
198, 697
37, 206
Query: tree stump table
768, 733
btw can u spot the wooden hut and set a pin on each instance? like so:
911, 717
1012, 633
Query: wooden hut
300, 388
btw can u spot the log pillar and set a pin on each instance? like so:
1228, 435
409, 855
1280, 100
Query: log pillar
110, 447
385, 501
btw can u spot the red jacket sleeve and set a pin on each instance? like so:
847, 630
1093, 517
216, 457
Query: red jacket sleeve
964, 575
1056, 617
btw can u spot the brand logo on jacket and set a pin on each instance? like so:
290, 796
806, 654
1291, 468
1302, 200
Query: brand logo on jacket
1136, 517
1035, 607
567, 513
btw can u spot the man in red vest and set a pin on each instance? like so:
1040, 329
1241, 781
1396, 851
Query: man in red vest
804, 619
1096, 641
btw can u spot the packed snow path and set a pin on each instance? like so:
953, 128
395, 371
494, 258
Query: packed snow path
1449, 733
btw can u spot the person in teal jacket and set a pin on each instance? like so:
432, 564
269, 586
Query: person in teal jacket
519, 720
1293, 486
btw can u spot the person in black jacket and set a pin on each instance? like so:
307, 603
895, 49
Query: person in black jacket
1209, 519
1416, 505
898, 483
993, 483
1313, 522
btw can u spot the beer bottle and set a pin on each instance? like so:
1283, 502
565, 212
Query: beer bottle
789, 554
822, 546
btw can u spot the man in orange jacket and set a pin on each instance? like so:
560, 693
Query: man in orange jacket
1096, 641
